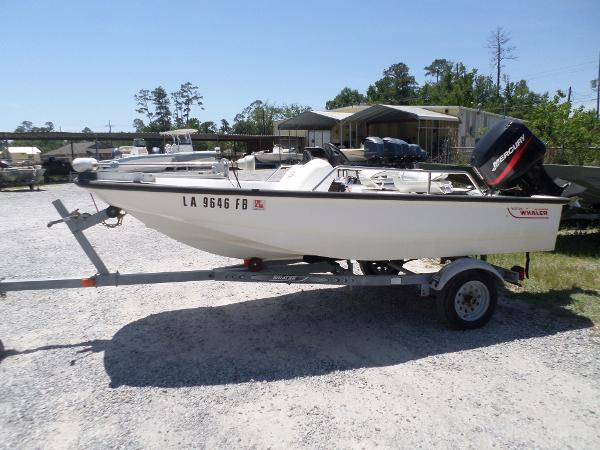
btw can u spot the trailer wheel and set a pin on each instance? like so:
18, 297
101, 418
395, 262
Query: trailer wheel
377, 268
468, 300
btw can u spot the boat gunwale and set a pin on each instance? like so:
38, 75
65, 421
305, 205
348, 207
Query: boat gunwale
141, 186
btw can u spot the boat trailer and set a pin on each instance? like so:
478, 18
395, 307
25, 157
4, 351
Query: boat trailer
466, 287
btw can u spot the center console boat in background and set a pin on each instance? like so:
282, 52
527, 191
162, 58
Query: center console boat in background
179, 155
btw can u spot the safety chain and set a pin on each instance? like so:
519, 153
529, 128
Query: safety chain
119, 221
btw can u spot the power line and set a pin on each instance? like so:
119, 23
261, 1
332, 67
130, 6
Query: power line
559, 69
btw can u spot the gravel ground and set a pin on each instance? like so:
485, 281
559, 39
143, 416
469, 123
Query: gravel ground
221, 365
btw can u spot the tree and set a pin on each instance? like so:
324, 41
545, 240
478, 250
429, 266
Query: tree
518, 99
43, 144
208, 127
25, 127
501, 51
177, 108
225, 127
162, 110
143, 100
572, 129
139, 125
88, 130
438, 67
346, 97
396, 87
189, 96
259, 117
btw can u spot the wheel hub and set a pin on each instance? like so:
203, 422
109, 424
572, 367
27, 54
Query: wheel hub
472, 300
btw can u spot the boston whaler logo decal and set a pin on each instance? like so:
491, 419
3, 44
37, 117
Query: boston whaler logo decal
528, 213
507, 153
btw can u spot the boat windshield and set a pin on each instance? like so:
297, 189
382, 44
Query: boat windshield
185, 139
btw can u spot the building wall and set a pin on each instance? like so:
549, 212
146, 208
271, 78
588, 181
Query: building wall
18, 157
473, 123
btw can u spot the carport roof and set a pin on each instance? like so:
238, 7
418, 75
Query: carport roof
385, 113
314, 120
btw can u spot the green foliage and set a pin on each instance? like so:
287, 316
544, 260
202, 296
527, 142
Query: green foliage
552, 285
156, 105
572, 129
346, 97
396, 87
225, 127
208, 127
183, 100
438, 67
259, 117
162, 110
43, 144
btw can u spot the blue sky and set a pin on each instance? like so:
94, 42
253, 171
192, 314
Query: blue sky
79, 63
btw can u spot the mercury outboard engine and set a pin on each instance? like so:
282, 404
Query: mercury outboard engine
509, 159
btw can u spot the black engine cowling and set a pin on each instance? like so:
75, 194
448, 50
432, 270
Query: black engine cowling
509, 159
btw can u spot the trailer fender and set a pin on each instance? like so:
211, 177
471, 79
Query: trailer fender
449, 271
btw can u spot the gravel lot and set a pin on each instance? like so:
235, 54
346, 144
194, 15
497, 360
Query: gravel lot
221, 365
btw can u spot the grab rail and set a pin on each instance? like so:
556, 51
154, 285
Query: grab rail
428, 171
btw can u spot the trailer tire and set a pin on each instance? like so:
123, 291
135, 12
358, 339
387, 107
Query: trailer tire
468, 300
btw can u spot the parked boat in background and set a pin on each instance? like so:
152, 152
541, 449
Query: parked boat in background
277, 156
22, 175
179, 155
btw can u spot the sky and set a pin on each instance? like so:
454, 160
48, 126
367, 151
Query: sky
79, 63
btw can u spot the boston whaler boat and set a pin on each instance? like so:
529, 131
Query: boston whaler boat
321, 211
298, 229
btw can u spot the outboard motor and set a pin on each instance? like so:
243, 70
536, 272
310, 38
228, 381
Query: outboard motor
509, 159
374, 147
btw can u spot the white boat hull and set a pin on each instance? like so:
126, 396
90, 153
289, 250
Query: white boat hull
277, 158
354, 154
159, 162
358, 226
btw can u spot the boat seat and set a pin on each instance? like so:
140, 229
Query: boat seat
304, 177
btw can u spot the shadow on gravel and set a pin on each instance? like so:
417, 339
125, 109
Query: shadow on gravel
302, 334
307, 333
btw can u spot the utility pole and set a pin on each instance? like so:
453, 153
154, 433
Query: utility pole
598, 90
109, 131
569, 95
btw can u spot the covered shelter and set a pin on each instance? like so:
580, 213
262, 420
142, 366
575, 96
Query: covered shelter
433, 131
319, 127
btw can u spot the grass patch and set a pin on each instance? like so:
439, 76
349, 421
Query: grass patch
565, 281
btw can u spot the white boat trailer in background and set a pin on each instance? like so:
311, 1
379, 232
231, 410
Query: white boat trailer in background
466, 287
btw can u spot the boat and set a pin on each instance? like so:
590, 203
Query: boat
389, 152
21, 175
278, 155
313, 211
584, 181
354, 154
179, 155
